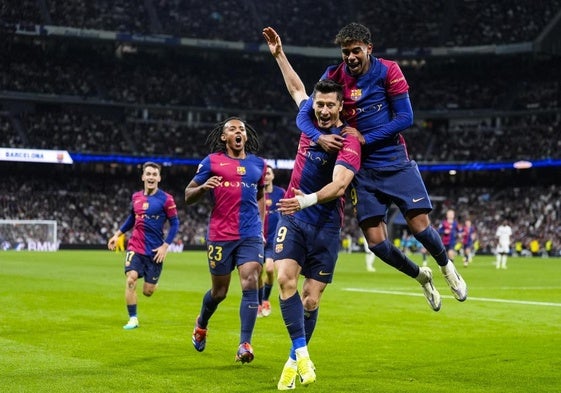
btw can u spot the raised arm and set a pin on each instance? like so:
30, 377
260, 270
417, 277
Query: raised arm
293, 83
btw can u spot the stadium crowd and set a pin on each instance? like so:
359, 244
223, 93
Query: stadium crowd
86, 97
90, 206
435, 23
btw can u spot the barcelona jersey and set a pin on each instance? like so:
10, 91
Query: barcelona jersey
148, 216
367, 107
313, 169
235, 214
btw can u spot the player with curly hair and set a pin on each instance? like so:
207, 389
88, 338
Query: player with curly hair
233, 176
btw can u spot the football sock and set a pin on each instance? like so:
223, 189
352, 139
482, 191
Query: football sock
292, 355
393, 256
208, 308
131, 308
293, 315
248, 313
430, 239
267, 291
310, 319
302, 351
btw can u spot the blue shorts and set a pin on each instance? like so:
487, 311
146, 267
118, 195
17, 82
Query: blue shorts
374, 190
144, 265
315, 248
224, 257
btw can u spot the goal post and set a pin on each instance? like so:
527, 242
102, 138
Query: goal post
29, 235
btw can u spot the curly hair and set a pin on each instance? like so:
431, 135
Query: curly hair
353, 32
216, 144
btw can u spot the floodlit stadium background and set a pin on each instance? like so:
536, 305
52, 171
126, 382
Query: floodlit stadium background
108, 86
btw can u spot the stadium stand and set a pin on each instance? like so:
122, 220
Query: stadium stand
91, 96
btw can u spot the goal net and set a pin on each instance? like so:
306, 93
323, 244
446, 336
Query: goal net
29, 235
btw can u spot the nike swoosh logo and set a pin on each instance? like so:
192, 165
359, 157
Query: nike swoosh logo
260, 256
224, 163
415, 200
322, 273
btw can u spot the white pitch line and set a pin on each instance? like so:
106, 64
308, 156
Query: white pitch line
477, 299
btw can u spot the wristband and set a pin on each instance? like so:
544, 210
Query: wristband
307, 200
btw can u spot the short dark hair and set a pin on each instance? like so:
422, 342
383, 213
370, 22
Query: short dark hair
326, 86
353, 32
153, 165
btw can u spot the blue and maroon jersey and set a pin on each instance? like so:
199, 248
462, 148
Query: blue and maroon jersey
147, 218
448, 232
368, 107
468, 235
235, 213
313, 169
272, 216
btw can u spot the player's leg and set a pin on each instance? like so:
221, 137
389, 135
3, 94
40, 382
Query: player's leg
419, 224
152, 273
249, 260
249, 273
268, 280
375, 232
133, 265
292, 311
373, 192
131, 299
260, 290
211, 299
221, 264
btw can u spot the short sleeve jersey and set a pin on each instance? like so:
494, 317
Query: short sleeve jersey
235, 213
150, 214
448, 232
313, 169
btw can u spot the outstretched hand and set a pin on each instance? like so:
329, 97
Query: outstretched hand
290, 205
273, 40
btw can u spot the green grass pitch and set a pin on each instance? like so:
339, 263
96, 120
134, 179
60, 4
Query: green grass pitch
62, 315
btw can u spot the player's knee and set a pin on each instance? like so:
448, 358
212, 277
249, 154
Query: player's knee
131, 283
286, 282
310, 303
220, 296
148, 289
270, 271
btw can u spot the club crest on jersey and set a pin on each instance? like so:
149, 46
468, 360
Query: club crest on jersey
145, 206
356, 94
240, 170
278, 248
